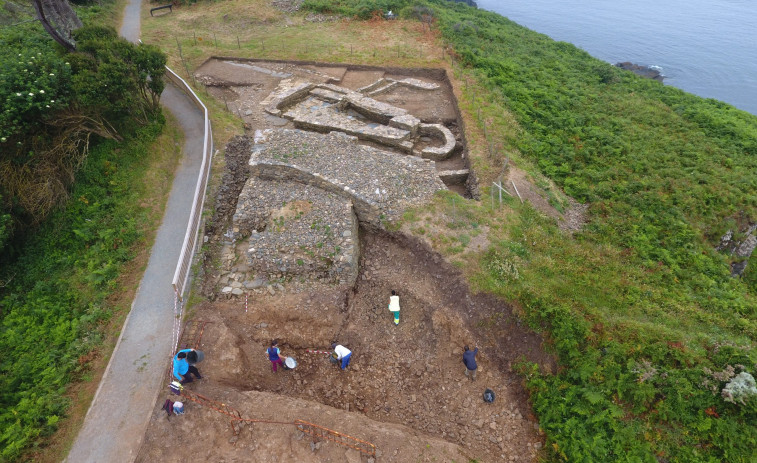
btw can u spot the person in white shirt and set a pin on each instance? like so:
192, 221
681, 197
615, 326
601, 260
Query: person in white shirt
343, 354
394, 306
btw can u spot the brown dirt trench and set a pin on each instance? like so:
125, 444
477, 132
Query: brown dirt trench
404, 391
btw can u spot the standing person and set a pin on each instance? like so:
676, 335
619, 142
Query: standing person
182, 370
274, 355
394, 306
343, 354
469, 359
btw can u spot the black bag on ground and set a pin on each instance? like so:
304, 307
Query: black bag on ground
489, 396
168, 407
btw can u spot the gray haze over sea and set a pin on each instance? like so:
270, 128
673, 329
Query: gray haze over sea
705, 47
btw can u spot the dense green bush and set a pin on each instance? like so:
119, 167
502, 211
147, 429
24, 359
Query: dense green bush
55, 104
55, 300
5, 220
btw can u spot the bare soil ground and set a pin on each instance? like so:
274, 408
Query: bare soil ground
405, 390
519, 185
405, 381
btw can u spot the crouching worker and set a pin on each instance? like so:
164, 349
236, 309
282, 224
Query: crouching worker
342, 354
182, 370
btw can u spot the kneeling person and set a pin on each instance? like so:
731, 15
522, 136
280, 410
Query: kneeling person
182, 370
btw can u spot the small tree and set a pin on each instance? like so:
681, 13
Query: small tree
55, 103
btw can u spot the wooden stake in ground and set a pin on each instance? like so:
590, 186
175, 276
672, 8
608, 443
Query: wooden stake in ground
516, 190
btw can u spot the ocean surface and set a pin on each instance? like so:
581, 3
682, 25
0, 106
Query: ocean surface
705, 47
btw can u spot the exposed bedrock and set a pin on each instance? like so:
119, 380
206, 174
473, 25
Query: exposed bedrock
740, 246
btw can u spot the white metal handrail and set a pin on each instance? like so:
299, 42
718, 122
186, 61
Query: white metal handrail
181, 275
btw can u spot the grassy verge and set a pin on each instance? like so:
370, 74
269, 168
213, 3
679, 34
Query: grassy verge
74, 285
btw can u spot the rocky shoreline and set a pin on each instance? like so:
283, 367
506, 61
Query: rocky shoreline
649, 72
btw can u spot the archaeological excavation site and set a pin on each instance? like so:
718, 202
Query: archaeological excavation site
298, 247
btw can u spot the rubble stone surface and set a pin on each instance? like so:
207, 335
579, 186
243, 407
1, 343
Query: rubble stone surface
296, 230
380, 184
326, 107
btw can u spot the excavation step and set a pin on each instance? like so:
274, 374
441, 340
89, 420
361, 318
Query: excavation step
454, 177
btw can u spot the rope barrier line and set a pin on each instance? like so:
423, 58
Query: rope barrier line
192, 334
312, 351
314, 430
336, 437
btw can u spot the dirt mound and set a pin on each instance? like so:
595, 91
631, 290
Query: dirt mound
202, 434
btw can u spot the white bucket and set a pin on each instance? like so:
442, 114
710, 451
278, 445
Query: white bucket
290, 363
178, 408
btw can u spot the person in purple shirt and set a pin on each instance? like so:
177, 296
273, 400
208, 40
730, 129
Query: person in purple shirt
274, 355
469, 359
182, 370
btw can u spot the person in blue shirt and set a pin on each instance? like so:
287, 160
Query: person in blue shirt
182, 370
469, 359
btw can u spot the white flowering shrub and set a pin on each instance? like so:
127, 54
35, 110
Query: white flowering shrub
54, 104
34, 83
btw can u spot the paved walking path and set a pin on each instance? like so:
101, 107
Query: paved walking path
116, 421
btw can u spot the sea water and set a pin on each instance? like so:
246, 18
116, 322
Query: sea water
705, 47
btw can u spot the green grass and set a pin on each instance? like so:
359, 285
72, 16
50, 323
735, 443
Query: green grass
56, 304
666, 174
